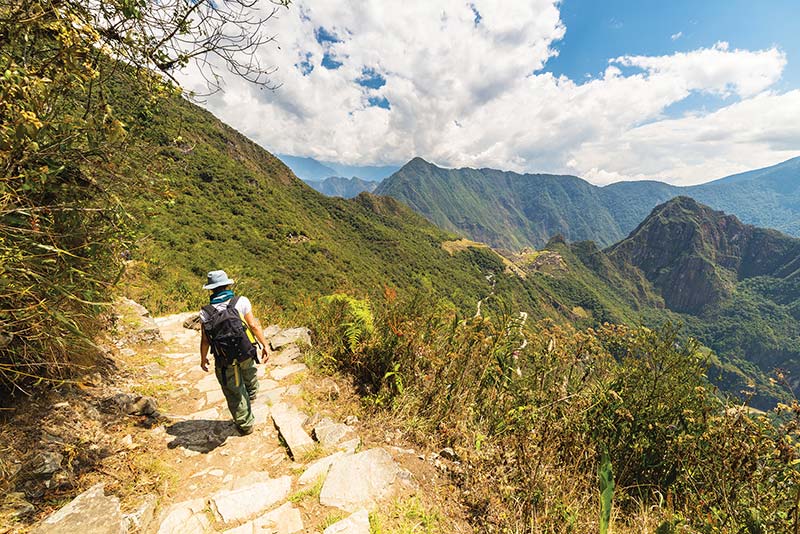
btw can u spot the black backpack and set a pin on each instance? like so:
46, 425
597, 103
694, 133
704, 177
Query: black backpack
228, 334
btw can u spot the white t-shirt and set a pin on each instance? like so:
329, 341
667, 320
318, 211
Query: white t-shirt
242, 305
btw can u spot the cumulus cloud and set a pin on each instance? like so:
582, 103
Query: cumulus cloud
676, 36
465, 84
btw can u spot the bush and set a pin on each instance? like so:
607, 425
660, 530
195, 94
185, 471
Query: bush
532, 409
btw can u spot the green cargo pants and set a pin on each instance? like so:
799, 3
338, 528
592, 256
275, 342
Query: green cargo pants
239, 384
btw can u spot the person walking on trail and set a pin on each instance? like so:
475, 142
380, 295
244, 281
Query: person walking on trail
231, 330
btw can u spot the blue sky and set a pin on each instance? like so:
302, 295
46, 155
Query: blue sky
680, 91
597, 30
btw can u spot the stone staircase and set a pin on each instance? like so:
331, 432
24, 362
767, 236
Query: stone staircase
247, 484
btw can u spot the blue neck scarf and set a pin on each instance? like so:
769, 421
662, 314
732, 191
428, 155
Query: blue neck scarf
221, 296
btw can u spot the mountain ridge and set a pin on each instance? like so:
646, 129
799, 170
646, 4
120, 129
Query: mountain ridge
511, 210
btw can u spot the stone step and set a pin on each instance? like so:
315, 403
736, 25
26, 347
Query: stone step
359, 480
185, 517
357, 523
289, 422
279, 373
245, 502
285, 519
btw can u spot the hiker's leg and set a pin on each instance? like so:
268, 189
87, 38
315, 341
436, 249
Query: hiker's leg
236, 396
250, 377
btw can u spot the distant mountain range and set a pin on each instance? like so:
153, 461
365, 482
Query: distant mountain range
512, 211
312, 170
336, 186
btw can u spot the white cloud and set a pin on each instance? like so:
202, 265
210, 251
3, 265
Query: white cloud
466, 87
676, 36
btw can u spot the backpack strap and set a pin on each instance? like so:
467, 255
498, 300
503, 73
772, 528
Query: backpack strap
233, 301
210, 310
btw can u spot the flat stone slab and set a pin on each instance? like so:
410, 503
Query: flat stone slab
330, 433
359, 480
242, 503
91, 511
289, 422
287, 356
357, 523
279, 373
318, 469
283, 520
350, 445
215, 396
207, 383
184, 518
290, 335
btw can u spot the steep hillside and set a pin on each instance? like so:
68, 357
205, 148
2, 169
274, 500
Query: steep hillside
695, 256
504, 209
734, 286
336, 186
511, 210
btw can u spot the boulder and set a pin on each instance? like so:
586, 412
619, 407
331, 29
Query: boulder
91, 511
357, 523
140, 518
45, 464
193, 322
359, 480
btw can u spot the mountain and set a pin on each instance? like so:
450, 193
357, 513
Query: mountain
734, 286
696, 256
511, 210
310, 169
230, 204
307, 168
335, 186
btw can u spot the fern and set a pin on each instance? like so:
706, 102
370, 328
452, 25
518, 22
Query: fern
358, 321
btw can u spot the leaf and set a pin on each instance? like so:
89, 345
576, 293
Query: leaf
606, 476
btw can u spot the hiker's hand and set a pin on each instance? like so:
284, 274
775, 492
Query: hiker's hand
265, 354
204, 363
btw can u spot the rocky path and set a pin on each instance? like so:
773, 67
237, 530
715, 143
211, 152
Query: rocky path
298, 472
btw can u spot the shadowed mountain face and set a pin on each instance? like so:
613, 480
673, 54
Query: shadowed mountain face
510, 210
695, 256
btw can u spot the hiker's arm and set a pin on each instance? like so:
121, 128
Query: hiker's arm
203, 351
255, 328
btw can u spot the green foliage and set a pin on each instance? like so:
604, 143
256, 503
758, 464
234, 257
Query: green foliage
530, 409
605, 475
355, 318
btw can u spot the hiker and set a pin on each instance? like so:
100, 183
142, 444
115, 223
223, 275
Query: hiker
230, 330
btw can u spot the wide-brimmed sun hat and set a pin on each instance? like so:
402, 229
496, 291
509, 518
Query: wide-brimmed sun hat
217, 279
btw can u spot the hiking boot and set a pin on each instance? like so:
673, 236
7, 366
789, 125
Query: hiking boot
245, 431
253, 397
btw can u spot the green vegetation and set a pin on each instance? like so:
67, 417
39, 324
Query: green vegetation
335, 186
533, 420
512, 211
